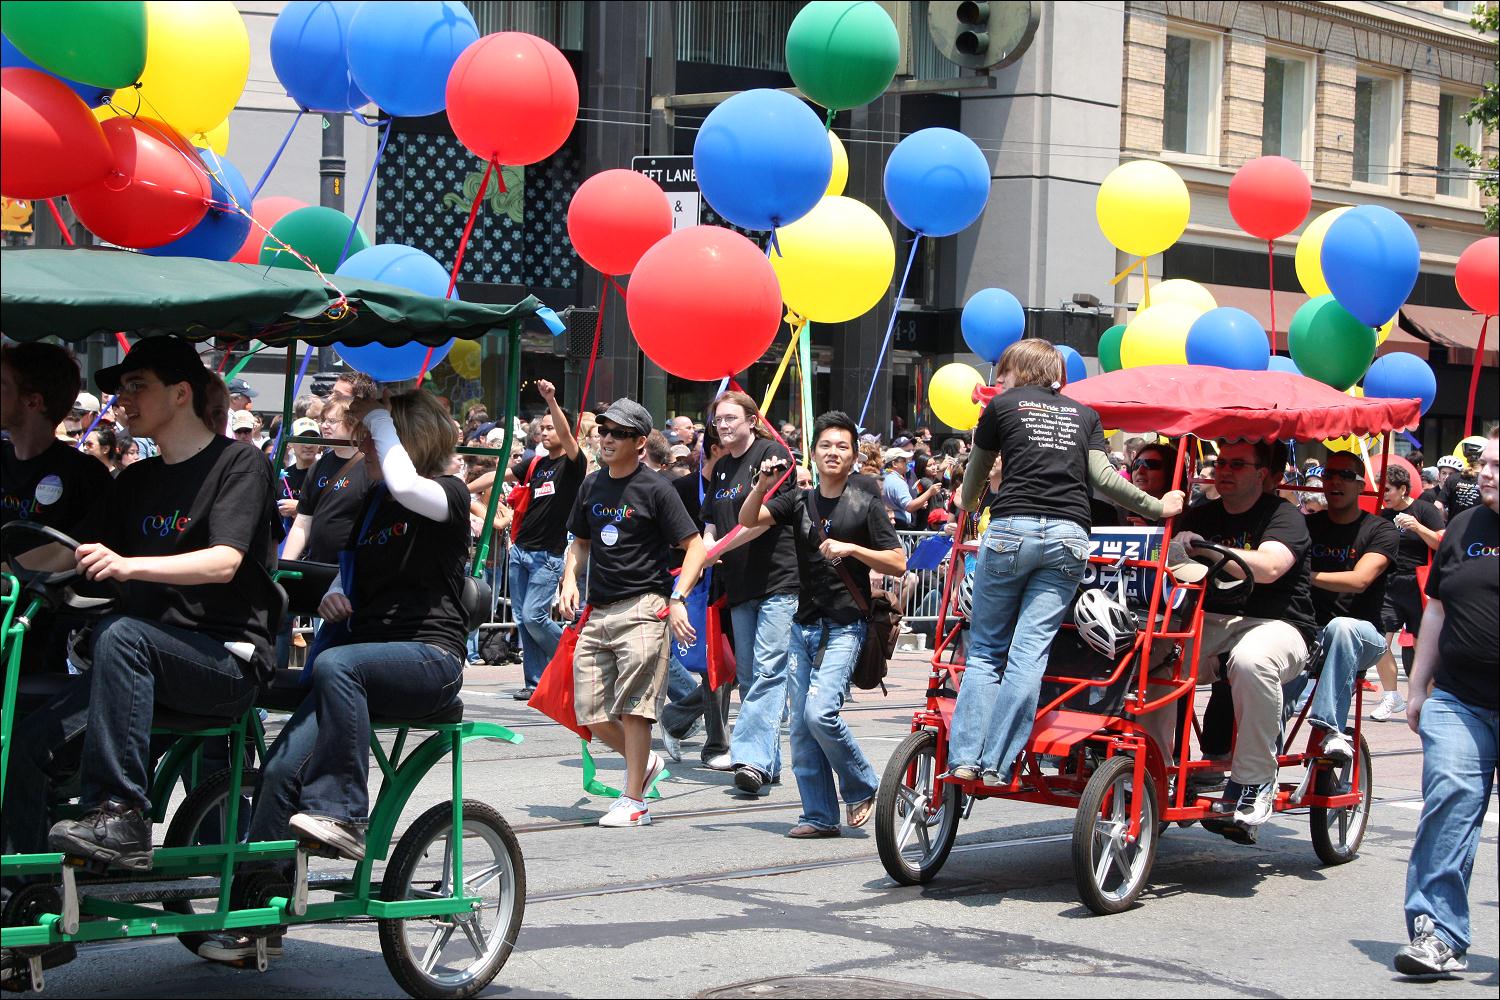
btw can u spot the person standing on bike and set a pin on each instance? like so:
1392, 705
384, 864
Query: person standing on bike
626, 519
189, 540
1455, 709
1032, 556
553, 476
840, 535
758, 574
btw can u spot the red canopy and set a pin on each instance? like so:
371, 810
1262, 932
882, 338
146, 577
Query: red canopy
1220, 403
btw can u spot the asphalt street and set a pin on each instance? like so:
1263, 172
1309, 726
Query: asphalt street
712, 900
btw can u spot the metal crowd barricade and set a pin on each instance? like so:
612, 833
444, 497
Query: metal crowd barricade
922, 590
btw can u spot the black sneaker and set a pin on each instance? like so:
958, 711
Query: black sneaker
524, 694
749, 780
114, 834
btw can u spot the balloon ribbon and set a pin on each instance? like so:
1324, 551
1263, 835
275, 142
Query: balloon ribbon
385, 136
57, 218
1144, 264
588, 376
890, 329
796, 323
1271, 284
458, 258
1474, 377
277, 156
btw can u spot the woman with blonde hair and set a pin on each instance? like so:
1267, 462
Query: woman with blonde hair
332, 491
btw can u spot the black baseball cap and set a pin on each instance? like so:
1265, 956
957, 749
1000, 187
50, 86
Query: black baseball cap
171, 358
629, 414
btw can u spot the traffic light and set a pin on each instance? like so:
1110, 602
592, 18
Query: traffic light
983, 35
973, 37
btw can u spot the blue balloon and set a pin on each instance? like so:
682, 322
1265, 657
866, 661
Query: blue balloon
937, 181
762, 159
13, 58
400, 54
309, 51
1073, 364
1281, 363
1227, 337
222, 230
992, 320
408, 267
1370, 261
1401, 376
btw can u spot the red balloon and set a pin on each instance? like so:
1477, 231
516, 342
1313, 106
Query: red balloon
267, 211
704, 303
1269, 197
50, 143
616, 216
1478, 276
156, 189
512, 98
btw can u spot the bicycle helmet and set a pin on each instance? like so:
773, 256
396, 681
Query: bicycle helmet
963, 597
1104, 623
1451, 462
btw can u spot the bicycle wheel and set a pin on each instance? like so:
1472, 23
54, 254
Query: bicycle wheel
1109, 869
1337, 833
454, 955
200, 820
914, 840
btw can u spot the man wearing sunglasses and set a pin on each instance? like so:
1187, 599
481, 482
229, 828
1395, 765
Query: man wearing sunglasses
1265, 636
1351, 555
624, 524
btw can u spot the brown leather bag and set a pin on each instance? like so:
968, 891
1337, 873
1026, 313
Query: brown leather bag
882, 619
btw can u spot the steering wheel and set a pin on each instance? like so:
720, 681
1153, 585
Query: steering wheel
1217, 570
46, 533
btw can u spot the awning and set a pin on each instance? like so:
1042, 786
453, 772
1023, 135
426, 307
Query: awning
1257, 302
1453, 328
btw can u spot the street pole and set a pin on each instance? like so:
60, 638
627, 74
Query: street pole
663, 83
331, 170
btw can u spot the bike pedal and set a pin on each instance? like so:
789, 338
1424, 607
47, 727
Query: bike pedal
317, 849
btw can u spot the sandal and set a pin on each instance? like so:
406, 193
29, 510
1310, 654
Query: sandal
806, 831
859, 812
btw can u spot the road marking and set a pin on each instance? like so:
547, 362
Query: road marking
1491, 818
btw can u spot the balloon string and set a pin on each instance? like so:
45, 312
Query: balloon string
124, 344
97, 417
458, 258
1271, 284
773, 244
890, 329
385, 136
786, 359
1145, 283
57, 218
240, 365
277, 155
828, 120
1474, 377
296, 388
588, 376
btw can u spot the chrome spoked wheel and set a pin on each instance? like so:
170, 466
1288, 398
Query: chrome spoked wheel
1110, 867
915, 821
1337, 833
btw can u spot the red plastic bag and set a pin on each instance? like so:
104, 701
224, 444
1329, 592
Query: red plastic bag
721, 666
553, 696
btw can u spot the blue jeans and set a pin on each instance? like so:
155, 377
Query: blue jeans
1458, 772
320, 763
823, 656
1351, 646
534, 576
761, 627
1028, 573
139, 664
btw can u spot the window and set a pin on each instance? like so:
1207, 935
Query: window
1464, 7
1375, 107
1284, 125
1190, 102
1452, 179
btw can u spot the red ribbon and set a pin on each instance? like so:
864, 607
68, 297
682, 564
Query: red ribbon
1474, 377
458, 259
57, 217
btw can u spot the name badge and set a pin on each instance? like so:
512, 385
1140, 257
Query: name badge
544, 490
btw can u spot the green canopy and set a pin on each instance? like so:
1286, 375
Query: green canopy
74, 293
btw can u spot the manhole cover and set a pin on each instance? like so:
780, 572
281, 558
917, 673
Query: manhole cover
827, 988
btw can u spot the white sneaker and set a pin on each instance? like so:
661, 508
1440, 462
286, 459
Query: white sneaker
654, 767
1336, 747
626, 812
1390, 703
723, 762
1256, 804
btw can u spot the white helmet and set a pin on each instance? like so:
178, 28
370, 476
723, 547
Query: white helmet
1104, 623
1451, 462
963, 597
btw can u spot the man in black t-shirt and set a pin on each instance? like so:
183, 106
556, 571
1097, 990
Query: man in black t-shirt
1419, 525
1351, 554
1455, 709
626, 520
189, 543
552, 476
1266, 635
840, 535
1460, 491
42, 479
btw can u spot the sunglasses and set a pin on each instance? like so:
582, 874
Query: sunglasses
1346, 474
1240, 464
618, 433
1147, 463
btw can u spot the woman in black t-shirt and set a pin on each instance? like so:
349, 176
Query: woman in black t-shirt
333, 491
398, 609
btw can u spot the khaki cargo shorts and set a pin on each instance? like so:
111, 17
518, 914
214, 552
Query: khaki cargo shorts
620, 662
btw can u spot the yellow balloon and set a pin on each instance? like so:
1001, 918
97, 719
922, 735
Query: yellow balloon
951, 393
1158, 336
1309, 257
1183, 292
1143, 207
836, 262
464, 357
197, 62
840, 175
216, 138
1384, 330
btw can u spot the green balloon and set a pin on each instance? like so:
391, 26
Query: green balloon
315, 232
1330, 345
1109, 348
102, 44
842, 54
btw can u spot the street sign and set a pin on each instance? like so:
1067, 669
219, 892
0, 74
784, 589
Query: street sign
679, 180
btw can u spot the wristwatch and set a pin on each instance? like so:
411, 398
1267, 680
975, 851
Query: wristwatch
677, 597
